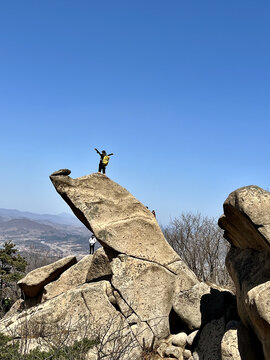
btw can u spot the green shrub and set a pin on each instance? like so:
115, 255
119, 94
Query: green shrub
8, 350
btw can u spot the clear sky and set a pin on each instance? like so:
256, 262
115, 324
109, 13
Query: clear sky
178, 90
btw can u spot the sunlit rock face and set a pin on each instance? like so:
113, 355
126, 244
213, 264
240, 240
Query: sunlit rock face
136, 285
33, 283
246, 219
246, 225
117, 218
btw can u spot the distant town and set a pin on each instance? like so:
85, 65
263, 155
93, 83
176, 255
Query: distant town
55, 235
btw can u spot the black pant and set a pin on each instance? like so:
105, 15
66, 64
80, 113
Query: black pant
92, 248
102, 168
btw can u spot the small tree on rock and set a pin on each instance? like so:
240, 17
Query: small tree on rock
12, 266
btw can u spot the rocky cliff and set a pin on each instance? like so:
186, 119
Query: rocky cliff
246, 224
136, 294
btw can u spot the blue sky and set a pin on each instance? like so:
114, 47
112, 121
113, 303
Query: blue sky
178, 90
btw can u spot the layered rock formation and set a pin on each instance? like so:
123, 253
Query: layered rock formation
136, 291
118, 220
33, 283
246, 222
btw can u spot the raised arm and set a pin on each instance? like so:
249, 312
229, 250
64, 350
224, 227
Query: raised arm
98, 151
110, 154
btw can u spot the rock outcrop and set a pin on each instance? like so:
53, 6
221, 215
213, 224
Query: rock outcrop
74, 276
246, 224
138, 292
246, 218
126, 288
118, 220
33, 283
201, 304
147, 288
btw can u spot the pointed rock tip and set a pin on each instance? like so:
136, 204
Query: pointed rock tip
61, 172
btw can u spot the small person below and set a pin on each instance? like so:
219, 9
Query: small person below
104, 160
92, 242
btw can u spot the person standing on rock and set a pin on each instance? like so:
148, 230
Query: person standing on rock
92, 242
104, 160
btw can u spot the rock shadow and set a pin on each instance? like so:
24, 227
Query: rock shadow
251, 266
249, 346
217, 309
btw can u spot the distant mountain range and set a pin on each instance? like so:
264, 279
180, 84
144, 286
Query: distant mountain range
59, 235
63, 218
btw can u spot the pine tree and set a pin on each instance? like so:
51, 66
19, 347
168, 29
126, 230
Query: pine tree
12, 265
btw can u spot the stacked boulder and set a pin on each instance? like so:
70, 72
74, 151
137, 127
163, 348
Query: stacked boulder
135, 290
246, 225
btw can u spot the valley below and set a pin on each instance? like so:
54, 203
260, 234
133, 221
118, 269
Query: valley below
49, 235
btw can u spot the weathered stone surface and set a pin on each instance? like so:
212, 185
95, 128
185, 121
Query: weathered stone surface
118, 220
63, 172
71, 305
33, 283
246, 218
89, 300
179, 339
200, 305
210, 338
126, 310
185, 278
166, 350
15, 308
174, 351
92, 355
187, 354
147, 288
229, 345
100, 266
240, 343
161, 348
187, 305
191, 337
250, 271
143, 332
74, 276
86, 310
246, 222
23, 304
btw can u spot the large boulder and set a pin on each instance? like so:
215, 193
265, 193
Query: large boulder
240, 343
229, 344
89, 268
74, 276
100, 266
209, 340
88, 301
147, 289
136, 294
201, 304
82, 312
246, 225
250, 271
246, 218
117, 218
33, 283
185, 278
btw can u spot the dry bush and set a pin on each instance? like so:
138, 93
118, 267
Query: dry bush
114, 341
200, 243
